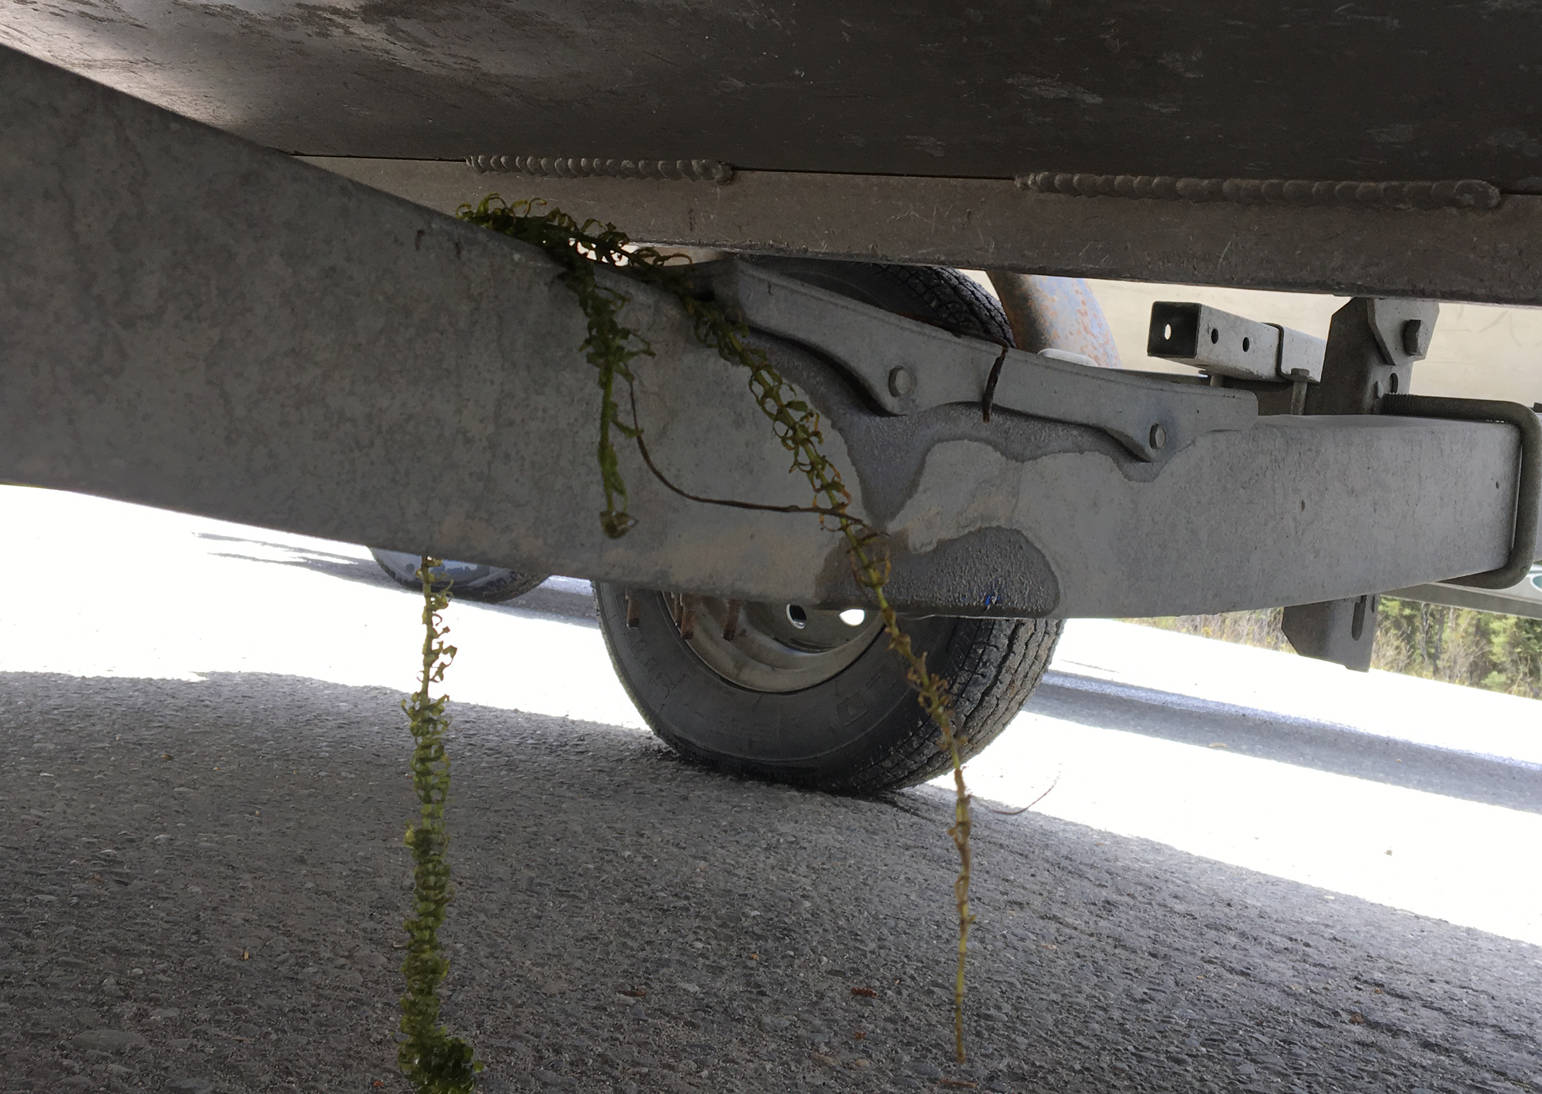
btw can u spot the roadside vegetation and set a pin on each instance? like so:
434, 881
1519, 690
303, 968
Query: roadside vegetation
1457, 645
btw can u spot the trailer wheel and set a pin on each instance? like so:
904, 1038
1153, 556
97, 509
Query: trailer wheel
468, 580
798, 694
792, 699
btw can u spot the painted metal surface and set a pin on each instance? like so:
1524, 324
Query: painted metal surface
1301, 89
1373, 152
989, 224
1348, 193
577, 167
1056, 313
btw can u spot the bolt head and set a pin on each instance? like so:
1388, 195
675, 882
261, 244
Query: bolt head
901, 382
1416, 337
1158, 437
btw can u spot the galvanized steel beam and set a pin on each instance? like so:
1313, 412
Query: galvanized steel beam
1523, 599
190, 321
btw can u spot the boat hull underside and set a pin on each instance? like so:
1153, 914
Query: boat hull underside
1314, 89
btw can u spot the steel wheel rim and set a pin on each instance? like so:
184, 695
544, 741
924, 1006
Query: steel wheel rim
774, 647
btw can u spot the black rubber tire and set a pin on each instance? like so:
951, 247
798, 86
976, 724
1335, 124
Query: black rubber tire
468, 580
861, 731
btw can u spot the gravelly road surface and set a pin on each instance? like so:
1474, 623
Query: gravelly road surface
206, 879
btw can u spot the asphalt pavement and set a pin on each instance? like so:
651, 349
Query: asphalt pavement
1244, 871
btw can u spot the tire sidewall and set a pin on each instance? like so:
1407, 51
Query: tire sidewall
799, 736
861, 730
468, 580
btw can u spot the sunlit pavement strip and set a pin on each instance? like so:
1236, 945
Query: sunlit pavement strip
123, 591
126, 591
1464, 861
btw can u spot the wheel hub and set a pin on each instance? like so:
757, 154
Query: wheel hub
774, 647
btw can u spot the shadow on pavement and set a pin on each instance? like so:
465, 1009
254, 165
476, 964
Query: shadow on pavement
1103, 704
565, 598
206, 883
1299, 742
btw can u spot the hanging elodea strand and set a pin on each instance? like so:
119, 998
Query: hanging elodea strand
433, 1060
611, 348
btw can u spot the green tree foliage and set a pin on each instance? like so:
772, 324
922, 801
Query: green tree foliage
1434, 641
1515, 648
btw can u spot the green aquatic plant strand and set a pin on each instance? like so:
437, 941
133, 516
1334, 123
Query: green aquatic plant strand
433, 1060
797, 428
611, 348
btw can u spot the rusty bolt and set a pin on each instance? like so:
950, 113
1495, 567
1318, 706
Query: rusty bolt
731, 620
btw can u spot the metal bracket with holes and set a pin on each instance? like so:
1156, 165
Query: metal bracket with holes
1224, 344
908, 366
